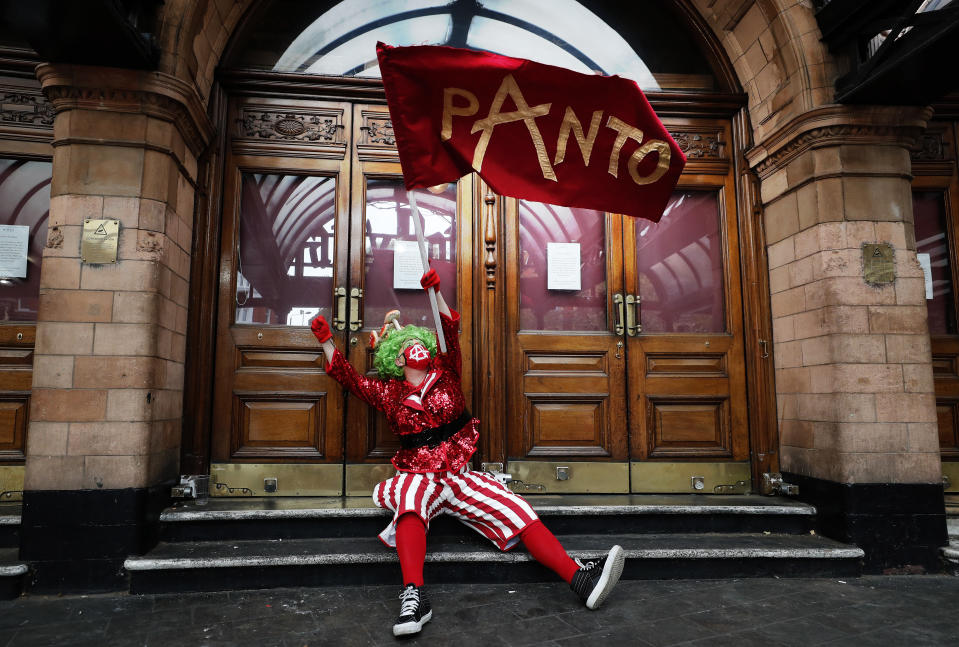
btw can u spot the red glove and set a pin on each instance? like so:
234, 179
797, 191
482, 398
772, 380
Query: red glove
321, 329
430, 280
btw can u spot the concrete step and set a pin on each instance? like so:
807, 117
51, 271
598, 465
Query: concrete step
12, 571
251, 564
10, 524
291, 518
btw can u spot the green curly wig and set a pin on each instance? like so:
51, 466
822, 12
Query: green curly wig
394, 343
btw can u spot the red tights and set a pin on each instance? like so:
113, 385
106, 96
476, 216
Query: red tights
411, 547
539, 541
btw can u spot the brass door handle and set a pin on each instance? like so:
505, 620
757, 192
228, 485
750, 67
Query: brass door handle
339, 315
339, 312
355, 322
632, 328
618, 302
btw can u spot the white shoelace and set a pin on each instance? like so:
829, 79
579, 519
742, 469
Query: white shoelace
411, 599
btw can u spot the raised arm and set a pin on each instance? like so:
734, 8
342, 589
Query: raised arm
371, 391
432, 280
450, 321
321, 330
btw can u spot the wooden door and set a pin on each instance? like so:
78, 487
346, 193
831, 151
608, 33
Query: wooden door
687, 378
25, 205
382, 225
631, 375
312, 225
566, 366
284, 258
936, 220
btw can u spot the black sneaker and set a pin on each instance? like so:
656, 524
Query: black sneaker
414, 613
594, 580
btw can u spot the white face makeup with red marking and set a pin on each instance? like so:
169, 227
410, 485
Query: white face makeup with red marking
417, 356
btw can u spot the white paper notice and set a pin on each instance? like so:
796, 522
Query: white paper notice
407, 265
14, 244
563, 268
925, 262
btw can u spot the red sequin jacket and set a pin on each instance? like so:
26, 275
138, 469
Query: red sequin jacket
411, 409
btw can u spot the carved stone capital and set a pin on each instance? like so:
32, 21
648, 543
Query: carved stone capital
72, 87
836, 125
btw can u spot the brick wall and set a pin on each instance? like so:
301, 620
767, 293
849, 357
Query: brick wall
853, 365
108, 373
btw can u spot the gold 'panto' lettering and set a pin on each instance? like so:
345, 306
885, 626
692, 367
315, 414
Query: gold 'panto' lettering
523, 113
450, 109
571, 123
625, 132
662, 165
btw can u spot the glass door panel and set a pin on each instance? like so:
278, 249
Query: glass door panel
285, 266
680, 265
932, 250
574, 239
389, 227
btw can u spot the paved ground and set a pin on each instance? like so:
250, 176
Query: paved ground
882, 611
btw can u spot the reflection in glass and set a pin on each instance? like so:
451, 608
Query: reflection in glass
541, 308
24, 202
680, 267
932, 248
285, 268
657, 50
388, 220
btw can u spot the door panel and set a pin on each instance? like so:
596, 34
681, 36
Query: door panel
381, 223
566, 370
25, 205
283, 259
310, 226
686, 366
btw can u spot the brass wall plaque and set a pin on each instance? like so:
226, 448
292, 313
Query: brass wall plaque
99, 241
878, 263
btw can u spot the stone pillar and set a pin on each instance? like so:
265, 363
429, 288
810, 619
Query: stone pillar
107, 394
856, 404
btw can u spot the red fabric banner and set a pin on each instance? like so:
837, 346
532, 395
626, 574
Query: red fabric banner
532, 131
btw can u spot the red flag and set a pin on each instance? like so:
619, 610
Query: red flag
532, 131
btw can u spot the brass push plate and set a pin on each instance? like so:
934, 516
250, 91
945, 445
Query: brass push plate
878, 263
99, 241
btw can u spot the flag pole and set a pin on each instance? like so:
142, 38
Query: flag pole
418, 226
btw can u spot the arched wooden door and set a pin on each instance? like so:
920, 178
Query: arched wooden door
314, 214
626, 366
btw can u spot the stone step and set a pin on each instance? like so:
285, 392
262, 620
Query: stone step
12, 571
246, 564
291, 518
10, 524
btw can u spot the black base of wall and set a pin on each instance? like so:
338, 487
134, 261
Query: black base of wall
900, 526
76, 540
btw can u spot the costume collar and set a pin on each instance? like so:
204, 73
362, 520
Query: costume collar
415, 397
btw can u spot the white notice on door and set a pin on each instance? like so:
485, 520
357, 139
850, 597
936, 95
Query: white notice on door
407, 265
14, 244
926, 264
563, 267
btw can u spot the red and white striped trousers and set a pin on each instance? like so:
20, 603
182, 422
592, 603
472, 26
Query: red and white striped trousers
476, 499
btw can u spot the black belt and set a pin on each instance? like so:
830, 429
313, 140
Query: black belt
436, 435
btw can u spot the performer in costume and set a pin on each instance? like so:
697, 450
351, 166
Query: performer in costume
421, 395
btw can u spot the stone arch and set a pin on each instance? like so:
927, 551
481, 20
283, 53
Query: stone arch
773, 45
775, 48
192, 35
